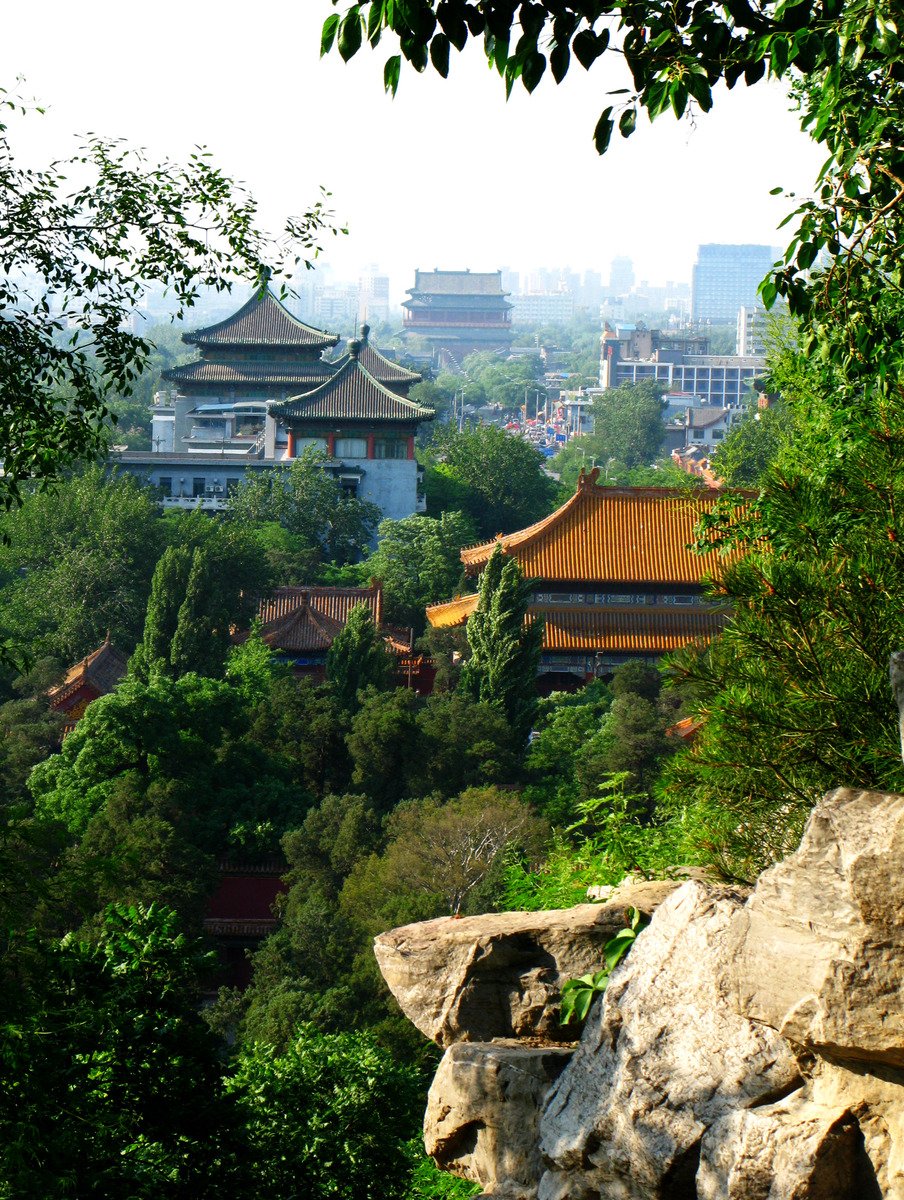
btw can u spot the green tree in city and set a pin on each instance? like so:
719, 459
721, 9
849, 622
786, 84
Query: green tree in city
500, 481
112, 1081
628, 424
358, 659
76, 563
505, 648
182, 631
309, 504
155, 782
753, 445
417, 560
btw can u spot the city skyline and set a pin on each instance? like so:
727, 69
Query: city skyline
446, 175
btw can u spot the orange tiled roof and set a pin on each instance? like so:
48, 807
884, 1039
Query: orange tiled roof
452, 612
616, 535
103, 669
644, 630
633, 630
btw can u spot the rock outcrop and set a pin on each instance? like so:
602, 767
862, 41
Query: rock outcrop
750, 1047
819, 948
500, 975
483, 1113
662, 1059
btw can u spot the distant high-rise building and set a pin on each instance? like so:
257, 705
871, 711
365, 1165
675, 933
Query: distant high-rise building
621, 276
373, 295
725, 279
751, 330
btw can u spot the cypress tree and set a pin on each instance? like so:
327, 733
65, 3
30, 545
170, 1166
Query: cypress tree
505, 651
198, 645
358, 658
168, 587
181, 631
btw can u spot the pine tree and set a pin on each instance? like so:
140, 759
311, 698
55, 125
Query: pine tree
358, 658
505, 651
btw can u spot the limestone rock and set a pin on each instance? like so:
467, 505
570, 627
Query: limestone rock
840, 1137
483, 1111
662, 1058
819, 948
500, 975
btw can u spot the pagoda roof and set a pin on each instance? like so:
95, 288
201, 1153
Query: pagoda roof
352, 394
452, 613
425, 302
634, 629
262, 321
102, 669
308, 619
458, 283
383, 369
278, 374
617, 535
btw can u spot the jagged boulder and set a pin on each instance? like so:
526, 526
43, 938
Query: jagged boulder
840, 1137
483, 1111
818, 952
500, 975
663, 1057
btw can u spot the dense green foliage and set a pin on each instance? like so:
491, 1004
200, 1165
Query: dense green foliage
494, 479
306, 503
358, 659
417, 561
112, 1083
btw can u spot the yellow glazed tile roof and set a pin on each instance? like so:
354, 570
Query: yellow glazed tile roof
615, 535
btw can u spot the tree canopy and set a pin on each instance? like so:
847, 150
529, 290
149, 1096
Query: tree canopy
307, 502
495, 479
80, 241
417, 560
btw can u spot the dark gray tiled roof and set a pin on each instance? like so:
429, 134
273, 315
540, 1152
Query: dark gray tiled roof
278, 374
382, 369
352, 395
459, 283
262, 321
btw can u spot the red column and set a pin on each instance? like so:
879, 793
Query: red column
290, 451
331, 445
411, 446
370, 445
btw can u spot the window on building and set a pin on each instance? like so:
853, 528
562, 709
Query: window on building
197, 485
349, 487
351, 447
309, 443
165, 485
390, 448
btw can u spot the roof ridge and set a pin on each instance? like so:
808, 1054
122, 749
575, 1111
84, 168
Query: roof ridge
335, 381
259, 297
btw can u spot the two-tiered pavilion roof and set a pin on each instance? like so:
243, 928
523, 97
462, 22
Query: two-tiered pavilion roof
615, 573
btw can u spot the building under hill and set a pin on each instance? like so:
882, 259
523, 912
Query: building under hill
614, 579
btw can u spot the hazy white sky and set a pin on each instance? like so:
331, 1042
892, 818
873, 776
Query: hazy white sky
446, 175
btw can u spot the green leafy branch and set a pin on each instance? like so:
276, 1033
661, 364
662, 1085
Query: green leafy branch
579, 994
